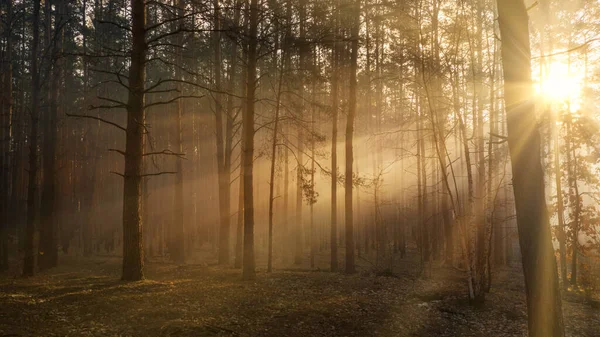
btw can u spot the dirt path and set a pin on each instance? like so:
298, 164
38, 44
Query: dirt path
84, 298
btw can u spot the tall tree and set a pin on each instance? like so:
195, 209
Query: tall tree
7, 123
133, 249
544, 306
223, 153
29, 262
48, 220
274, 150
248, 270
348, 178
177, 239
334, 139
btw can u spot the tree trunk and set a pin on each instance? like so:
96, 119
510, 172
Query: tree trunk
133, 249
480, 219
239, 244
539, 265
561, 235
239, 241
302, 60
248, 267
574, 198
8, 145
48, 256
29, 261
350, 268
273, 159
178, 236
334, 138
223, 176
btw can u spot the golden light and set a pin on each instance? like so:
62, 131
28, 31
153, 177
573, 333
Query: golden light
561, 84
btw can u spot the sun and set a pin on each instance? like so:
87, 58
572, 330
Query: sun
561, 84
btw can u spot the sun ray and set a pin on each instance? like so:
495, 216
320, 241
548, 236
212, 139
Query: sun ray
561, 84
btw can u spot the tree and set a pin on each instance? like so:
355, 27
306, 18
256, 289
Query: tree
334, 138
7, 125
544, 306
348, 177
48, 220
133, 250
223, 143
274, 150
248, 144
177, 240
29, 262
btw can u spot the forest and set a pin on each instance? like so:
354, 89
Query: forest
300, 168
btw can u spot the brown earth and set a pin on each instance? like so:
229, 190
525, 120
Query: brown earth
84, 297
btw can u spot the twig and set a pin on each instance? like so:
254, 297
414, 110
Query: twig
98, 119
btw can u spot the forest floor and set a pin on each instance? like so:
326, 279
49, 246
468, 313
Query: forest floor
84, 297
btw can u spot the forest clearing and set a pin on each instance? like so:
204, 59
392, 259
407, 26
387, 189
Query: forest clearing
85, 298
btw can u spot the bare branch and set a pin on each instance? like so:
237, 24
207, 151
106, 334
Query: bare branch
157, 174
127, 28
166, 153
98, 119
171, 100
117, 173
117, 151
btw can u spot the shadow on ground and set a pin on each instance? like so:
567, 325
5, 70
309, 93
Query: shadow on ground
83, 297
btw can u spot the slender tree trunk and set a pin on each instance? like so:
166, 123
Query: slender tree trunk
223, 177
248, 267
239, 245
312, 199
273, 160
91, 169
29, 262
303, 54
178, 236
493, 230
480, 219
539, 265
334, 138
562, 235
424, 230
348, 177
575, 198
9, 145
285, 230
48, 255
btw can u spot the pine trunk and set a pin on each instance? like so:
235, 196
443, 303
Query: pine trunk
539, 265
133, 249
249, 272
348, 177
30, 254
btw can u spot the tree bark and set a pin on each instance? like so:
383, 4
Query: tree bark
334, 138
222, 160
239, 244
29, 261
48, 257
178, 230
539, 265
574, 198
133, 249
273, 159
8, 146
249, 272
350, 267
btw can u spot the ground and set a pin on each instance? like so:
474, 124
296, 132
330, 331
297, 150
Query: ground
84, 297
